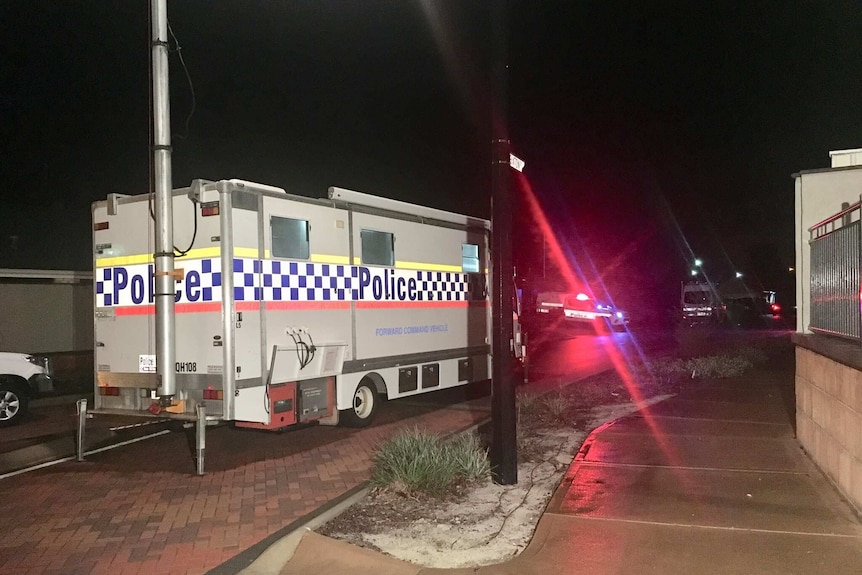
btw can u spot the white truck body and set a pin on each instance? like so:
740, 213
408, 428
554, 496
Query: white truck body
285, 303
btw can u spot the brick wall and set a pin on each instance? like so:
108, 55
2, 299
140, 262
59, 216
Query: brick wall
829, 419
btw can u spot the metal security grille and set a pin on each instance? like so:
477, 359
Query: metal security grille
835, 288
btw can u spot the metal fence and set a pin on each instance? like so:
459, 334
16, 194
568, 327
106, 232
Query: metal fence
835, 288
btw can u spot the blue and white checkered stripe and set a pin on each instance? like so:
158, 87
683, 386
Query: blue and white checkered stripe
295, 281
133, 285
268, 280
440, 286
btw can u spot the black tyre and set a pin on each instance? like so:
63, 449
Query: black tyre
364, 408
13, 404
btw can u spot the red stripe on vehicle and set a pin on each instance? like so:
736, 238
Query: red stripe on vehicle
307, 305
411, 304
202, 307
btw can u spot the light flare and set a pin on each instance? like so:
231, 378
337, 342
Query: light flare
619, 361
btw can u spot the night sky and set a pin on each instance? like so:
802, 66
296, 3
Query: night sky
652, 131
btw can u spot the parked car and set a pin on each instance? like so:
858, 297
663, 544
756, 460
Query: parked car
578, 308
22, 377
618, 319
582, 308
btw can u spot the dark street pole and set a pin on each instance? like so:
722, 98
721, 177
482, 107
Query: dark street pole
504, 455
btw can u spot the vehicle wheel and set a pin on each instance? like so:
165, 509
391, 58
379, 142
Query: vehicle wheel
364, 406
13, 404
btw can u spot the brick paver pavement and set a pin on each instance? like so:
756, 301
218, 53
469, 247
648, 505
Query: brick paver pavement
141, 510
53, 420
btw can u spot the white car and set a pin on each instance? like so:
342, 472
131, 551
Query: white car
619, 318
583, 308
22, 377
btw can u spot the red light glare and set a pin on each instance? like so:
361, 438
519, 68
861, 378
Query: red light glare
619, 361
552, 244
775, 308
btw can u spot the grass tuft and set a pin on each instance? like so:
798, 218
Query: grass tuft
416, 461
556, 406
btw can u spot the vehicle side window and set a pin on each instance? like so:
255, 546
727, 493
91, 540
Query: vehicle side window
378, 248
470, 258
289, 238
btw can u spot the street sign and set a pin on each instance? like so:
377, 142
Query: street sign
516, 162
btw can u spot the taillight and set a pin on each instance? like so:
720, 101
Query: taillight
211, 393
105, 390
775, 308
209, 209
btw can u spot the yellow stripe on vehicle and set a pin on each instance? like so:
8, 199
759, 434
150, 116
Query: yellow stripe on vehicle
317, 258
201, 253
357, 261
428, 267
136, 259
119, 261
214, 252
246, 252
330, 259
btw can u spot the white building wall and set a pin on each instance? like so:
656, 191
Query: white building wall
819, 195
828, 370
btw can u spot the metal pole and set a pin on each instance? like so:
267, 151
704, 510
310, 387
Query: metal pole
504, 450
164, 251
82, 422
200, 437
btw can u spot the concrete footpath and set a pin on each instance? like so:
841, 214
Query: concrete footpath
710, 481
